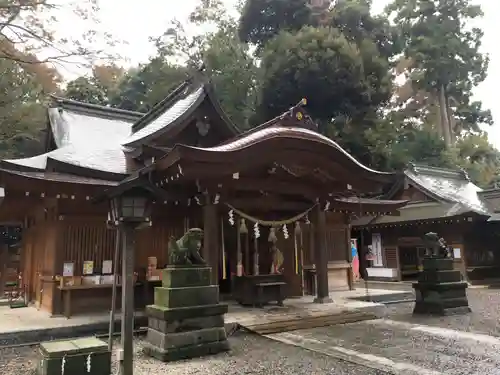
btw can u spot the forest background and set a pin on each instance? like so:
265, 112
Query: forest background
391, 88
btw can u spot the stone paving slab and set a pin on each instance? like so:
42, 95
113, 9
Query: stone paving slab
30, 325
403, 348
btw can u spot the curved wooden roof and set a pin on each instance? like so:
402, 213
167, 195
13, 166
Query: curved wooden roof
296, 149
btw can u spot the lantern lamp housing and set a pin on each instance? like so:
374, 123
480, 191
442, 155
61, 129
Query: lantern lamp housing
132, 206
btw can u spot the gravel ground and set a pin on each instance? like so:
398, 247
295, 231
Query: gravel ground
485, 316
249, 354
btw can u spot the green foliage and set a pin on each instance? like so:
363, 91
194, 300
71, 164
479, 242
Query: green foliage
230, 66
326, 68
262, 20
22, 114
141, 88
443, 55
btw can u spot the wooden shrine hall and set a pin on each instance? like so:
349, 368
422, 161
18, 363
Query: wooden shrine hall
275, 202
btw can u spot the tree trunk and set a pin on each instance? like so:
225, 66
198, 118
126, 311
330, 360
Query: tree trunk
451, 119
445, 125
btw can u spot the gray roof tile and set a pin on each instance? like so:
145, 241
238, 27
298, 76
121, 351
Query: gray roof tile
84, 140
177, 110
453, 189
74, 128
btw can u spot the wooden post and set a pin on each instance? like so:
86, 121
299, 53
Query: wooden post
113, 292
350, 272
126, 363
211, 239
320, 257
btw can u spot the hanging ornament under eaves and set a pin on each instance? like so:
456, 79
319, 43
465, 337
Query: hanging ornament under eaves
272, 235
243, 226
307, 221
256, 230
231, 217
285, 231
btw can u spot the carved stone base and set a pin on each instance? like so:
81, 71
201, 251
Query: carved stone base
439, 290
187, 319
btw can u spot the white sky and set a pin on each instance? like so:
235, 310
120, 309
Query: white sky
135, 22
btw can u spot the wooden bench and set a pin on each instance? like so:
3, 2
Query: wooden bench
269, 292
259, 290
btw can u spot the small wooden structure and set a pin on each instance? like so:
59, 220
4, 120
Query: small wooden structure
440, 200
282, 176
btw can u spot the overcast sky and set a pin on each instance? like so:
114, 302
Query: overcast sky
136, 21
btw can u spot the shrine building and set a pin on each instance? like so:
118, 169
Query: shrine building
275, 202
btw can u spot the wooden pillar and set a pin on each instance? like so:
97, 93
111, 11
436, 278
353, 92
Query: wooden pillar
320, 257
350, 275
4, 257
211, 241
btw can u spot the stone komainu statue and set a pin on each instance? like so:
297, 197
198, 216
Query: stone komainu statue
436, 246
186, 250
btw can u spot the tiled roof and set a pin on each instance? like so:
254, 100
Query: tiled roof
86, 137
449, 186
455, 195
80, 129
174, 113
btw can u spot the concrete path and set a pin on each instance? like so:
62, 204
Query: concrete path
397, 347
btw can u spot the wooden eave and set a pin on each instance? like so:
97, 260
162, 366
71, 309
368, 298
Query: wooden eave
277, 146
67, 168
145, 152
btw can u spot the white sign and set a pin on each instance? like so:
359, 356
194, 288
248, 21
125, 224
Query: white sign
68, 269
456, 253
378, 260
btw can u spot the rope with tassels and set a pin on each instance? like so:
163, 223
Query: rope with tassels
269, 223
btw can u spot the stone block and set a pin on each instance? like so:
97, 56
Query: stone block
437, 264
75, 356
186, 276
168, 341
445, 276
183, 325
186, 352
172, 314
186, 297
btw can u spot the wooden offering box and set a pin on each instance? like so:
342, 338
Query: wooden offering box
84, 356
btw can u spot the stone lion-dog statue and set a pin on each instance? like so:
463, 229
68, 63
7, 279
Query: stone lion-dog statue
186, 250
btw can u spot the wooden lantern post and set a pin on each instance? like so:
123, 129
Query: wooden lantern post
129, 210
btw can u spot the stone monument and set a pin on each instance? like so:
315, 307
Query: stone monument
440, 289
186, 319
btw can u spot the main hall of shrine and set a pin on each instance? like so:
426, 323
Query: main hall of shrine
275, 202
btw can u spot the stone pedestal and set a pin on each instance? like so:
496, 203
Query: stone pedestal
440, 289
76, 357
186, 319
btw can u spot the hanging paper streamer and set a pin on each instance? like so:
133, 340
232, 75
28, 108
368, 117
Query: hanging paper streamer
327, 205
256, 230
285, 232
231, 217
89, 363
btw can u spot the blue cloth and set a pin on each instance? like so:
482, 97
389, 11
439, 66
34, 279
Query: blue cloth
354, 251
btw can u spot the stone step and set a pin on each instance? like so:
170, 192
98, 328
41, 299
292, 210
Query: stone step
307, 322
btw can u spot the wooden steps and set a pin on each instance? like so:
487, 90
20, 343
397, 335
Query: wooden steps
306, 322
